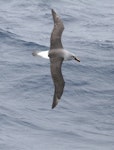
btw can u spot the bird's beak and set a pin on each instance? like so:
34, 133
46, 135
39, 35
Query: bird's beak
76, 59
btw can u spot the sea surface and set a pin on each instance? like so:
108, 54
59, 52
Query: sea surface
84, 118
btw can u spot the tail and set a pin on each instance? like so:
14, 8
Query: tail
43, 54
35, 53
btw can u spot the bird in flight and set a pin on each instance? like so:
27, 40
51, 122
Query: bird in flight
57, 54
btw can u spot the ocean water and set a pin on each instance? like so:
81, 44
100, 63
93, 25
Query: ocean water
84, 118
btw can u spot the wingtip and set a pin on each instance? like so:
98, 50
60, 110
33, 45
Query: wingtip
53, 12
54, 105
55, 102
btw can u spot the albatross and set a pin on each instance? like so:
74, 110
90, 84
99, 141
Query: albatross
57, 54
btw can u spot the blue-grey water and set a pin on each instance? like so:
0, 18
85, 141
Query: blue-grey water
84, 118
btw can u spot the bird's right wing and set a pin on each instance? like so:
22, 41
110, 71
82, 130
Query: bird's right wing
56, 64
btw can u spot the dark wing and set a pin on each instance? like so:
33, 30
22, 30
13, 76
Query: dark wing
55, 40
56, 64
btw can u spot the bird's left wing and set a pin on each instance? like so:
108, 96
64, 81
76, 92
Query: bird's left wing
55, 40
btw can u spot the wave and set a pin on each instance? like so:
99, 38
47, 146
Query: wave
9, 38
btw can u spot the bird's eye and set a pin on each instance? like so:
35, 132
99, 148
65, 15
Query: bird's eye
73, 57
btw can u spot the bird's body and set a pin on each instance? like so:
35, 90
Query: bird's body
57, 55
60, 52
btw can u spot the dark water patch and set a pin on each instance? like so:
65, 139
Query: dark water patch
6, 34
5, 120
27, 124
105, 45
9, 39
